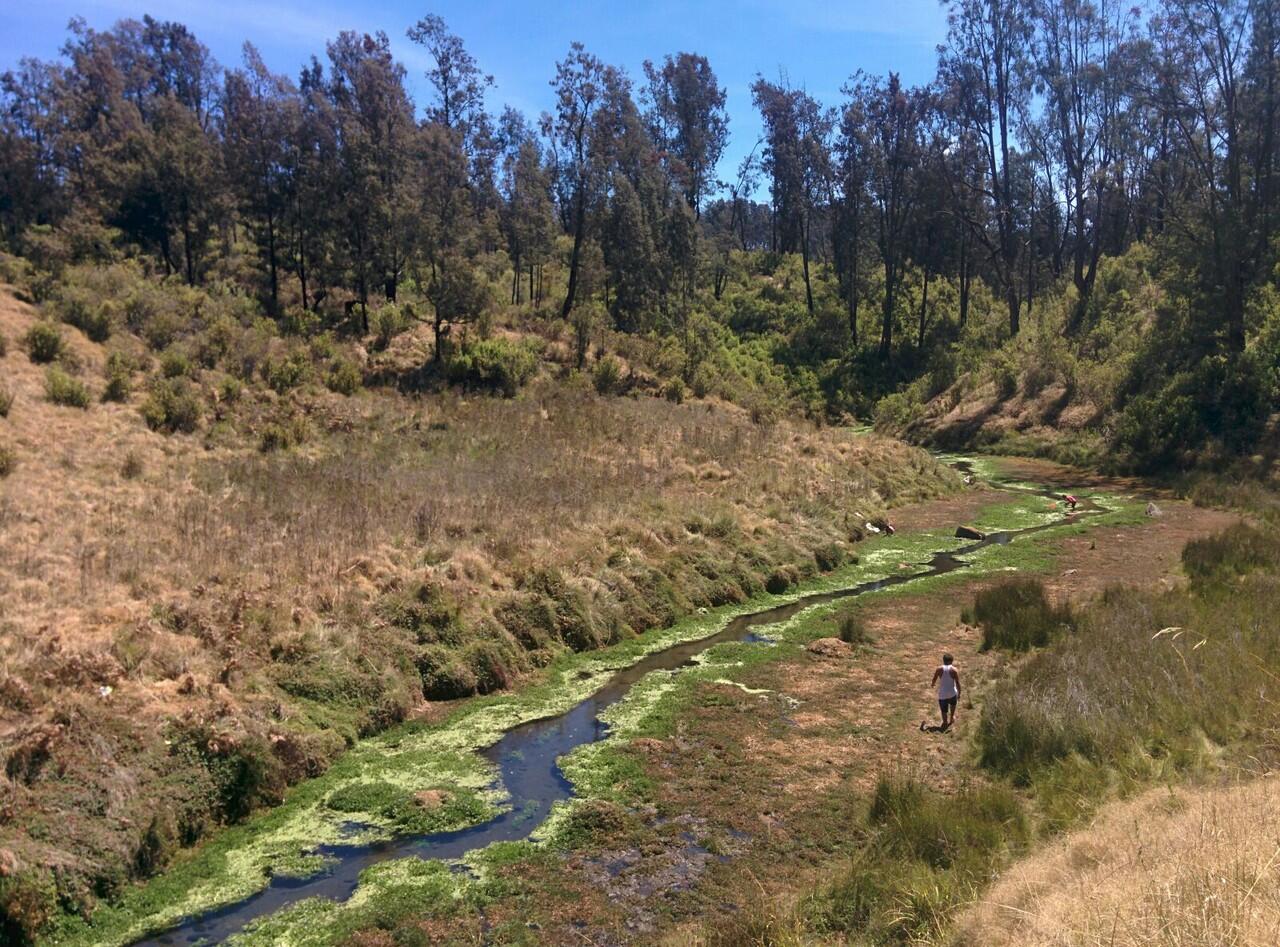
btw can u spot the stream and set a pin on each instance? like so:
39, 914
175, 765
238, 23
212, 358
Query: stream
526, 757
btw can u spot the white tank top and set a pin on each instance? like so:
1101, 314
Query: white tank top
946, 682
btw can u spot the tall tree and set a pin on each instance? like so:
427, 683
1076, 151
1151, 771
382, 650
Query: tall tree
689, 121
580, 143
983, 70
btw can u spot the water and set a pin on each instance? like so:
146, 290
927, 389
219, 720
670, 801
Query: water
526, 756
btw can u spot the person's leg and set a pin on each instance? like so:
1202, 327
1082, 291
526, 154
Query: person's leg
942, 706
953, 702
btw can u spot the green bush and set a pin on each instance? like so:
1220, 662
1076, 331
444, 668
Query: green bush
6, 401
173, 406
445, 676
674, 391
175, 364
385, 323
284, 434
1017, 615
925, 856
119, 378
61, 388
344, 377
829, 556
607, 377
493, 364
8, 460
288, 373
4, 345
1236, 551
93, 317
852, 628
44, 342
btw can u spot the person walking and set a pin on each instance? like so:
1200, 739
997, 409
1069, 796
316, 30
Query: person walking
947, 679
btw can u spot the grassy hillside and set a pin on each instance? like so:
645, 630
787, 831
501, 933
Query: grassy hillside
234, 550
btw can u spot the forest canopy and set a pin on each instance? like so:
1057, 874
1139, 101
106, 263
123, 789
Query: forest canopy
921, 226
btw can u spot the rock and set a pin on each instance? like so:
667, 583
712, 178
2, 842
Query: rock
968, 532
830, 648
430, 799
8, 863
1153, 510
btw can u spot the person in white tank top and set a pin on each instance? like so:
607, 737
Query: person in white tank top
947, 679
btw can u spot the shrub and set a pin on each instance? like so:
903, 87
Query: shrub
175, 364
385, 323
44, 342
1236, 551
8, 460
608, 375
853, 628
4, 345
287, 373
829, 556
131, 468
494, 364
229, 391
673, 391
6, 401
781, 579
344, 377
76, 307
61, 388
173, 406
119, 378
285, 434
445, 676
1017, 615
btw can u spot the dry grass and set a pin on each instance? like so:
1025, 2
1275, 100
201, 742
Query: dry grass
1170, 869
147, 579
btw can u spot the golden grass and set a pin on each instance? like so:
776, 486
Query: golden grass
1180, 868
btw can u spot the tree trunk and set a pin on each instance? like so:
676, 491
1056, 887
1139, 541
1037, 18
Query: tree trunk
574, 258
924, 311
804, 257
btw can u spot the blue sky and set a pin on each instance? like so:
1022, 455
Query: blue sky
816, 44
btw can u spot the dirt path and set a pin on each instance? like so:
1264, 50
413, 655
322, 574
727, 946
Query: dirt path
773, 784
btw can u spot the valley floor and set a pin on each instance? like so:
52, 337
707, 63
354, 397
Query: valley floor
732, 790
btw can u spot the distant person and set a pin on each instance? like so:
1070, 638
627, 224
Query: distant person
1071, 502
948, 680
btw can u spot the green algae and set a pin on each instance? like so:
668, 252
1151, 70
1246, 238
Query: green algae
413, 757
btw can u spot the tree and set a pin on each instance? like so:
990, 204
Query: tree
256, 135
794, 156
580, 143
983, 73
886, 122
528, 215
374, 130
688, 120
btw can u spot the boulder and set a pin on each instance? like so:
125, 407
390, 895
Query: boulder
1153, 510
968, 532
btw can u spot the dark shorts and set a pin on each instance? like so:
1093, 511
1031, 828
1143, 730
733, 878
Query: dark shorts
948, 704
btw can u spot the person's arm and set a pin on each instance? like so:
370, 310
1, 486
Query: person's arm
936, 673
955, 676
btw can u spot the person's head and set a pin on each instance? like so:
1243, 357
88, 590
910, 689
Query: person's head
946, 658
